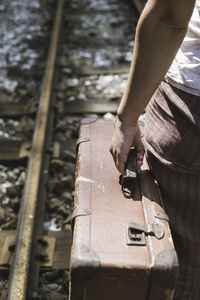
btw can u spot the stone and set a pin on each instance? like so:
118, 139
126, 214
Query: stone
69, 156
55, 203
12, 224
58, 296
55, 187
69, 168
13, 191
56, 165
68, 181
67, 197
14, 202
2, 215
63, 211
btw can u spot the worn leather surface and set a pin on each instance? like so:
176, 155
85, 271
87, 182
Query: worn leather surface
122, 269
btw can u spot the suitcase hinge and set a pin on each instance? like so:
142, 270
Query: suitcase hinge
161, 215
81, 140
79, 211
87, 121
135, 233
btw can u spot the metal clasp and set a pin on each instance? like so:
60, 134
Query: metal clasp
135, 236
135, 233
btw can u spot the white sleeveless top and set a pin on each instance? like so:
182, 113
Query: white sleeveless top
184, 72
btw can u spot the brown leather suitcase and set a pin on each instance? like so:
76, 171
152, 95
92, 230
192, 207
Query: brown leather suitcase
122, 248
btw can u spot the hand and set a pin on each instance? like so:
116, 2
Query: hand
126, 136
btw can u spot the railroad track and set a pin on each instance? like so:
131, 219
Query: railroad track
79, 81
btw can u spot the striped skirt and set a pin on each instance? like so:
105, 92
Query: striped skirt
172, 143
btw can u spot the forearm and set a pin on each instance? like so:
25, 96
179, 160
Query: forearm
156, 44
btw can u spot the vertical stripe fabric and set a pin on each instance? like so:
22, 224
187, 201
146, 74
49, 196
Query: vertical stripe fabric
172, 143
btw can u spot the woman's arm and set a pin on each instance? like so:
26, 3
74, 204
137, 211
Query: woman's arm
159, 34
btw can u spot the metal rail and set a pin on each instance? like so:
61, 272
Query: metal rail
18, 275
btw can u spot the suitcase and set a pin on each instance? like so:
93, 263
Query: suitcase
122, 247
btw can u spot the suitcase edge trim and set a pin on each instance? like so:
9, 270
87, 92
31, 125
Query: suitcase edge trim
164, 275
84, 263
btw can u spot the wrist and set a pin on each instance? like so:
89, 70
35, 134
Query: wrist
127, 119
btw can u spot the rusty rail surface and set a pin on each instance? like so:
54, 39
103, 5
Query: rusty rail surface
18, 274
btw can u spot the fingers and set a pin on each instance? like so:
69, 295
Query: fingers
119, 159
124, 138
140, 157
139, 149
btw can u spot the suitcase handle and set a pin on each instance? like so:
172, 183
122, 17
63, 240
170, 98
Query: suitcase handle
128, 181
131, 164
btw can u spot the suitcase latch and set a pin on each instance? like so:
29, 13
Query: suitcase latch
135, 233
135, 236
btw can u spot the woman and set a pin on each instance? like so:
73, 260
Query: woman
166, 69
